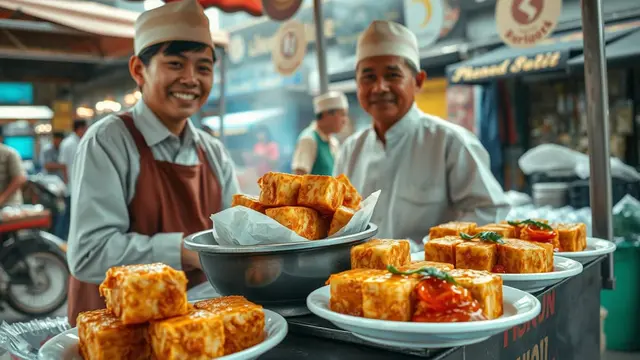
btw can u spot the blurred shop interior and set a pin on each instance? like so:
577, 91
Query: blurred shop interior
55, 67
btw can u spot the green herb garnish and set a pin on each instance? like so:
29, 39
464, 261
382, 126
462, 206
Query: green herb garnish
538, 224
426, 272
489, 236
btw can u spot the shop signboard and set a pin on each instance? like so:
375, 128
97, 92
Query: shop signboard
524, 23
62, 115
511, 66
425, 18
289, 47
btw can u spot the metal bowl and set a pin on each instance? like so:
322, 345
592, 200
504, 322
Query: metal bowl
278, 276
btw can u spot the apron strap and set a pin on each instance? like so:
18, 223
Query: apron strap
141, 144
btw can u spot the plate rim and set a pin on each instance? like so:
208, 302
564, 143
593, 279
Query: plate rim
270, 342
611, 247
575, 268
428, 328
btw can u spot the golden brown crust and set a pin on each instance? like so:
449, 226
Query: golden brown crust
346, 290
485, 287
279, 189
453, 228
378, 253
139, 293
352, 198
305, 222
571, 237
322, 193
442, 249
389, 297
340, 219
248, 201
198, 335
476, 255
243, 321
522, 257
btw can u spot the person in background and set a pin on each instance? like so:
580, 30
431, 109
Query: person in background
430, 171
50, 156
12, 175
265, 155
68, 148
146, 179
316, 146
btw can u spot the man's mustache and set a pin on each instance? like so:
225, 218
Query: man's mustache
388, 97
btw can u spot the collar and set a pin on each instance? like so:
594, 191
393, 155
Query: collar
405, 125
323, 136
153, 131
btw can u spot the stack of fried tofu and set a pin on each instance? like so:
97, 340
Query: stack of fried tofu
367, 290
515, 255
148, 317
313, 206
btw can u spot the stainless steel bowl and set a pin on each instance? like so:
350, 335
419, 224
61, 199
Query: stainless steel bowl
280, 276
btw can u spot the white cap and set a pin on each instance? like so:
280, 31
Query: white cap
383, 38
176, 21
333, 100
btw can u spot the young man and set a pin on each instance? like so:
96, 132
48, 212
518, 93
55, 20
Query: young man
430, 171
145, 180
68, 148
316, 146
50, 156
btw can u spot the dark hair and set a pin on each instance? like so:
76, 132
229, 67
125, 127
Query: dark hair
257, 129
58, 135
170, 48
79, 124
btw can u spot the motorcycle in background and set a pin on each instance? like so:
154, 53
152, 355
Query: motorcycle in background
33, 266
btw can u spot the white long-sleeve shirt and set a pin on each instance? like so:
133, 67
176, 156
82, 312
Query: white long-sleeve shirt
430, 171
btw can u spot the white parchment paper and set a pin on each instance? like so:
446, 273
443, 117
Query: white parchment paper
241, 226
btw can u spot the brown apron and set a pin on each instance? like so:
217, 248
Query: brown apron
168, 198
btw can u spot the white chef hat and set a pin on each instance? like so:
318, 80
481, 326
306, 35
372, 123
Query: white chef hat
333, 100
176, 21
384, 37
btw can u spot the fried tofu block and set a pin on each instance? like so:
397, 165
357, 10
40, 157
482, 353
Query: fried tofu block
322, 193
378, 253
521, 257
572, 237
476, 255
548, 254
525, 235
346, 290
442, 249
389, 297
248, 201
453, 228
243, 321
340, 219
198, 335
139, 293
426, 264
485, 287
102, 336
506, 230
303, 221
352, 198
279, 189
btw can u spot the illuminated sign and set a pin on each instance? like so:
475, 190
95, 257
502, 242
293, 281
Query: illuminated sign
524, 64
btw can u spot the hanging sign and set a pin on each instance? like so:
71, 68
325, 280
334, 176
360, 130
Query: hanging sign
524, 23
289, 47
425, 18
62, 115
281, 10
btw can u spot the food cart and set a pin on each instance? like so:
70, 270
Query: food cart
568, 325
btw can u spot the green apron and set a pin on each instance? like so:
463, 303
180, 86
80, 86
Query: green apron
324, 158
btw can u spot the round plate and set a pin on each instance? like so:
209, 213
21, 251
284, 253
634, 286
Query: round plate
595, 248
65, 346
519, 307
562, 268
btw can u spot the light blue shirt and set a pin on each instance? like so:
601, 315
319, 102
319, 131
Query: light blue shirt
430, 171
105, 171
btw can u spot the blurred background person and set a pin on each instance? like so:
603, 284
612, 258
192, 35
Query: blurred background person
265, 156
68, 148
50, 156
12, 175
317, 145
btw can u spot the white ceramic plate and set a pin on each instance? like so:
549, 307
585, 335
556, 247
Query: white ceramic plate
595, 248
65, 346
519, 307
562, 268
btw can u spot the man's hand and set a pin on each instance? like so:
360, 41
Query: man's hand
190, 259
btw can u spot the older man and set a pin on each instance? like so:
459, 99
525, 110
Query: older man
430, 171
